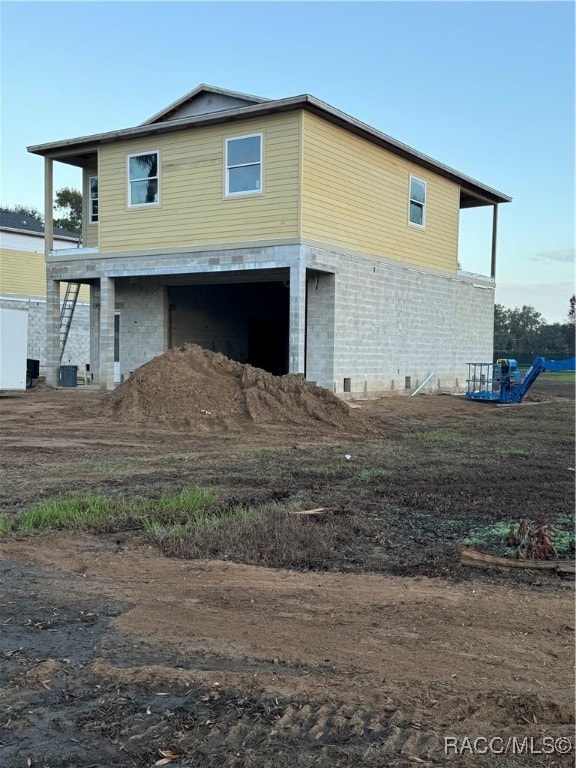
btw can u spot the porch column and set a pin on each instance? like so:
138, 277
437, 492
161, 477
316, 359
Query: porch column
107, 302
95, 332
52, 286
297, 327
48, 207
494, 238
52, 332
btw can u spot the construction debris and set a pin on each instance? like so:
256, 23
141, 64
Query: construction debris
472, 557
320, 512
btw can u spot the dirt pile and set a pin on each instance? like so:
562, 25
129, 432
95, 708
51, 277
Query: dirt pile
192, 386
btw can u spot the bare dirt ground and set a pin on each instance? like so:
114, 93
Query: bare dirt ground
112, 654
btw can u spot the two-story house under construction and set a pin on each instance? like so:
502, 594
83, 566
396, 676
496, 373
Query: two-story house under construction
283, 233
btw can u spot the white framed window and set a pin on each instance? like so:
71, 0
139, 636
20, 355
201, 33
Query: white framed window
243, 165
92, 199
144, 179
417, 202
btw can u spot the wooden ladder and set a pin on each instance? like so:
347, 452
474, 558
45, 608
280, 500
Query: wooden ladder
67, 313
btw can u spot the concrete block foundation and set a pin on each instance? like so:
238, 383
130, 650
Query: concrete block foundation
358, 325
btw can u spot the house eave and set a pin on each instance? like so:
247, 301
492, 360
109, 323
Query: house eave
74, 151
32, 233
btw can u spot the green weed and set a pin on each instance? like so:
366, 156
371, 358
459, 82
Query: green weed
73, 513
368, 475
505, 452
95, 512
189, 501
319, 471
440, 436
262, 453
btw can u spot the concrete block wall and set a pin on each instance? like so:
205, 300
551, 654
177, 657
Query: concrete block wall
142, 306
77, 351
394, 322
321, 305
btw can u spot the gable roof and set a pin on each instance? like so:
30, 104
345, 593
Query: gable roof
204, 99
81, 151
19, 222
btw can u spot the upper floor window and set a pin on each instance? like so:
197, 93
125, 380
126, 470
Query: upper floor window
244, 165
93, 199
417, 201
143, 179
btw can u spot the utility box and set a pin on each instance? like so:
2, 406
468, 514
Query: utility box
68, 375
13, 348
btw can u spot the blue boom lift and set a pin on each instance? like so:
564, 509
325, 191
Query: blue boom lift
500, 382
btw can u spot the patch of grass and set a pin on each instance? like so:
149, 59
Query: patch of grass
319, 471
175, 459
188, 502
111, 467
177, 537
84, 512
96, 512
368, 475
268, 535
440, 436
262, 453
511, 451
560, 376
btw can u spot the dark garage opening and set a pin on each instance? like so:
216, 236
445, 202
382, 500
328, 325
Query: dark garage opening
247, 322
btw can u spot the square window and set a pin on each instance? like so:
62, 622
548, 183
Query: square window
244, 165
143, 179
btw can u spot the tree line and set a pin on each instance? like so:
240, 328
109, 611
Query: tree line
67, 206
523, 334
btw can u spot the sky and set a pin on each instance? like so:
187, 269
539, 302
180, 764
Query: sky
484, 87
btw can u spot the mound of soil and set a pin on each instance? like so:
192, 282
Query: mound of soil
193, 386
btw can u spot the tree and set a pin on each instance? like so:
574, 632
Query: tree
552, 341
517, 331
24, 210
521, 333
69, 202
570, 327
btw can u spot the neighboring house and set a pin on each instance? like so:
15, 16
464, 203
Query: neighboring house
282, 233
23, 284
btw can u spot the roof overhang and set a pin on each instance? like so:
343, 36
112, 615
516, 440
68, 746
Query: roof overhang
33, 233
81, 151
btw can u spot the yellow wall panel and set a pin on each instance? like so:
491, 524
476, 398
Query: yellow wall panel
23, 273
193, 209
355, 195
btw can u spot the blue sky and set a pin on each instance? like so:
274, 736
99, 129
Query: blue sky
485, 87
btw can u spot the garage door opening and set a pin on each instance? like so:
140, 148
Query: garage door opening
247, 322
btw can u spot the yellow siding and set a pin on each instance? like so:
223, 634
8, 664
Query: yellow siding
355, 195
193, 209
89, 231
90, 239
23, 273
